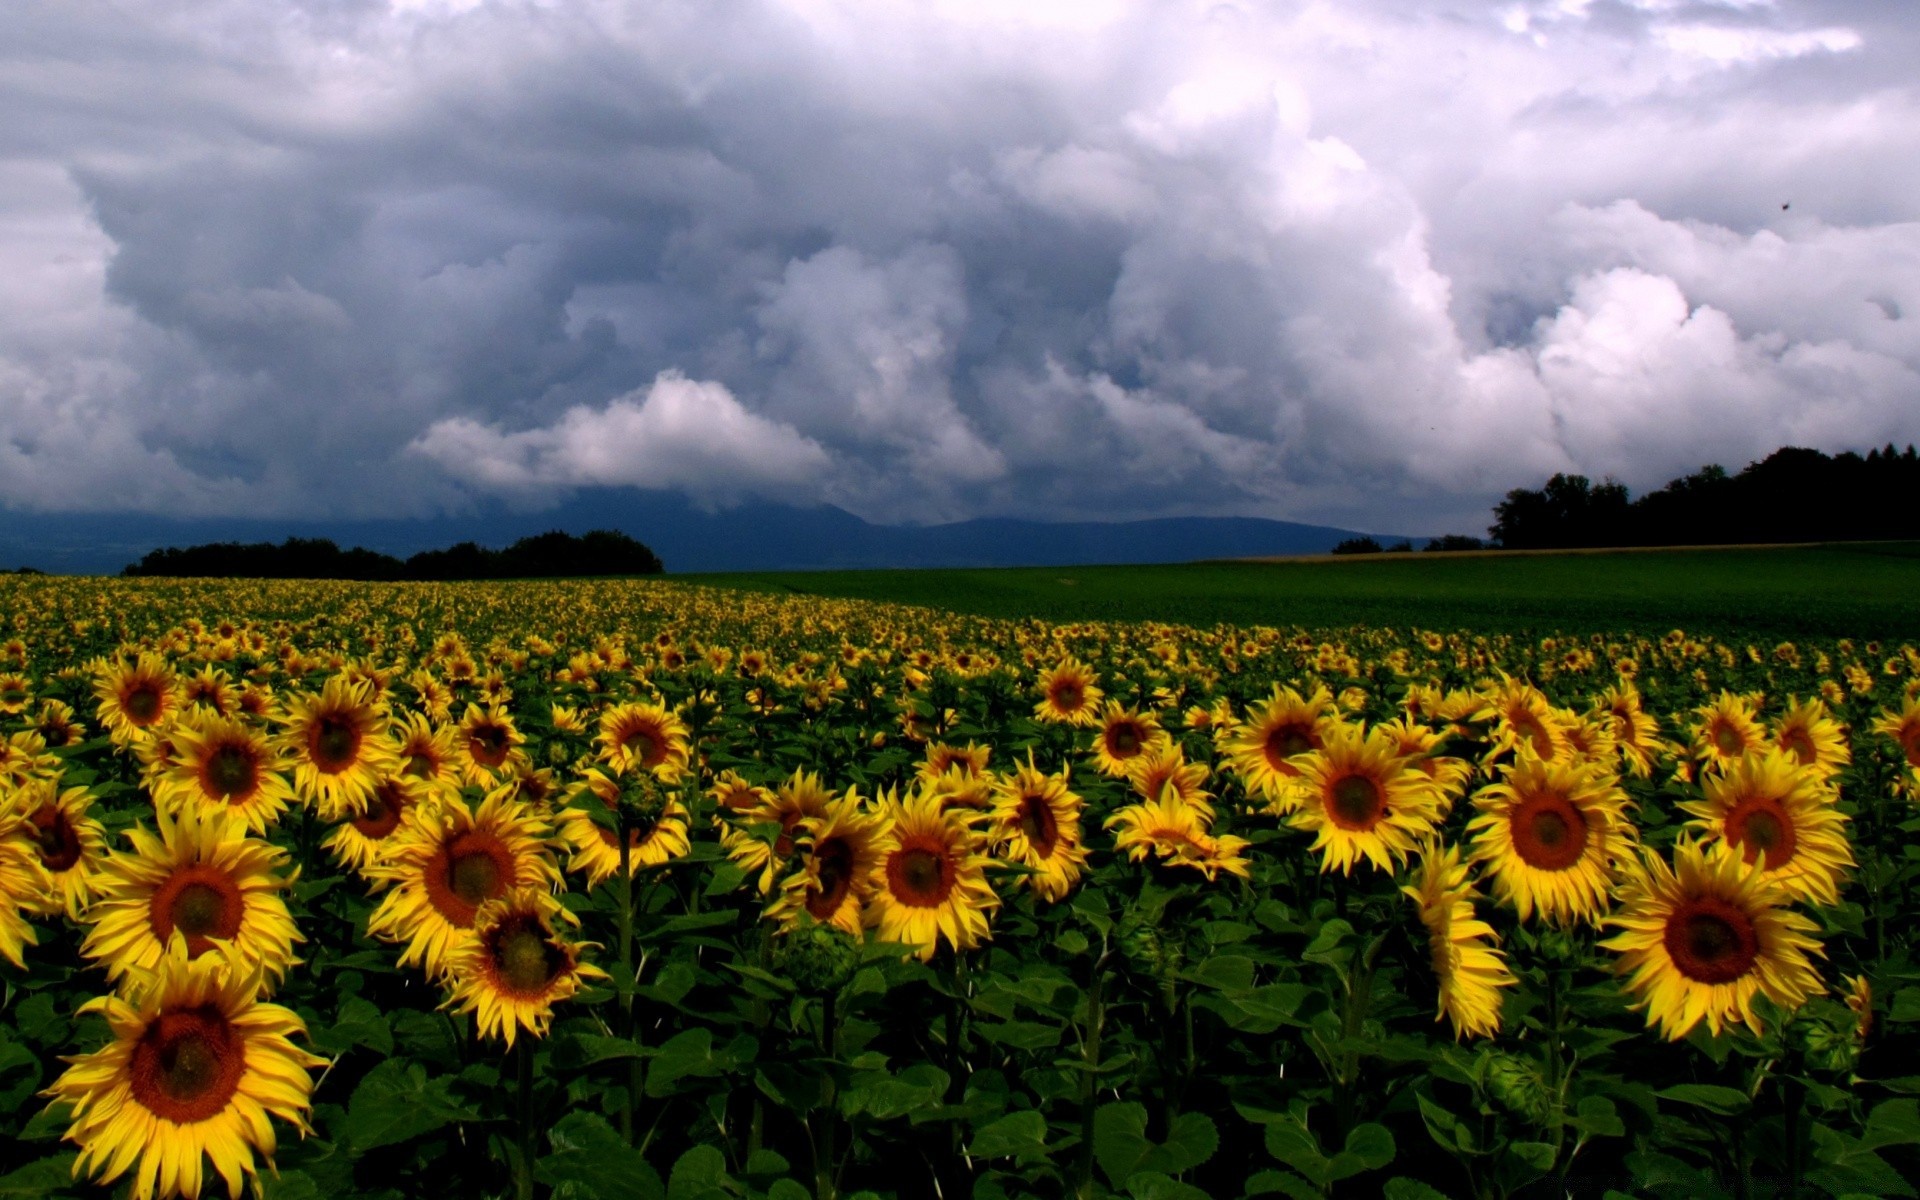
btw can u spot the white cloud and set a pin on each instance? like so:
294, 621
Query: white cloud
681, 433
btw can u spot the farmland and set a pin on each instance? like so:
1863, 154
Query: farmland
1418, 878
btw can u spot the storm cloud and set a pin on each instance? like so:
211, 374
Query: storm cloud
1367, 263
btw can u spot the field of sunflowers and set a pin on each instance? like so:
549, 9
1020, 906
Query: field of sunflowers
627, 890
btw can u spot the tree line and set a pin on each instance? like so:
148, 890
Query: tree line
1792, 495
544, 556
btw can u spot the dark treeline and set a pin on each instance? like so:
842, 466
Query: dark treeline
544, 556
1793, 495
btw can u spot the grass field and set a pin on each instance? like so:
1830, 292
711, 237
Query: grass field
1860, 589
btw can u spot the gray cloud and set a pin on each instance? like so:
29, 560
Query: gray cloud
1369, 263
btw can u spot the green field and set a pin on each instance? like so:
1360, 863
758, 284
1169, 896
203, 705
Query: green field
1857, 589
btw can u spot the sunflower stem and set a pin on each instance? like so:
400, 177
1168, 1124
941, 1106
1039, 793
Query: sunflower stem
523, 1166
627, 980
1090, 1080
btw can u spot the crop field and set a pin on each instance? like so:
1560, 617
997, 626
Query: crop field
1831, 591
1291, 880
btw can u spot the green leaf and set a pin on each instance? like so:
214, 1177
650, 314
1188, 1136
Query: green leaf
44, 1177
1892, 1123
289, 1185
1121, 1146
1370, 1145
1267, 1183
19, 1076
360, 1023
688, 1053
1152, 1185
1595, 1116
1402, 1188
398, 1102
575, 1050
884, 1096
1906, 1005
701, 1174
1723, 1100
1021, 1135
1031, 1036
592, 1158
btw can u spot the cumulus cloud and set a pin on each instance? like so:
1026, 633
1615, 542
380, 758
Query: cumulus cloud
682, 433
1364, 262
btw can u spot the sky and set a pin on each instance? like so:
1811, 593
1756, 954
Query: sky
1368, 263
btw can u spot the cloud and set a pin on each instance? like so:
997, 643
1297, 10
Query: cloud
1369, 263
681, 433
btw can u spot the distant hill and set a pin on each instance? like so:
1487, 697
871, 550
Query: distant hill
753, 537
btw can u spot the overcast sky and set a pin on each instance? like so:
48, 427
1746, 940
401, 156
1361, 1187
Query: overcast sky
1363, 262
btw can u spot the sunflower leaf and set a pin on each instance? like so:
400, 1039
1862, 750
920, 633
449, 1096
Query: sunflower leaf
594, 1161
397, 1102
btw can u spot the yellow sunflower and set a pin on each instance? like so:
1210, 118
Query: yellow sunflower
734, 796
196, 1067
70, 843
1262, 749
1700, 940
486, 746
1781, 812
16, 693
211, 688
1636, 734
1550, 833
1174, 833
931, 882
365, 837
24, 756
1810, 734
54, 722
448, 861
1727, 730
225, 765
1469, 970
203, 878
644, 737
970, 761
1418, 743
1360, 798
657, 836
427, 754
1125, 735
514, 969
1904, 728
1069, 694
840, 856
339, 746
1035, 821
1522, 716
135, 697
24, 884
794, 801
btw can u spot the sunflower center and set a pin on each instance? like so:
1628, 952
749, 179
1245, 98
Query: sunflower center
58, 840
187, 1064
919, 876
1067, 696
525, 960
1549, 833
1728, 739
1799, 743
230, 772
641, 745
475, 878
421, 766
1711, 941
201, 903
1760, 827
1038, 825
333, 743
833, 864
488, 744
142, 704
382, 816
1285, 742
1124, 740
1355, 802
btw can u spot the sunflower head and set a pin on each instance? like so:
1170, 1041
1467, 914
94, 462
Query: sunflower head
930, 882
1781, 814
1469, 971
1285, 726
1360, 799
1069, 694
136, 697
339, 745
1550, 832
1035, 821
515, 968
1125, 734
840, 854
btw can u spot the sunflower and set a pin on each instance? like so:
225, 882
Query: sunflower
211, 688
1285, 726
1550, 832
931, 882
487, 745
1469, 970
1812, 737
196, 1066
514, 969
203, 878
364, 838
1167, 770
16, 693
840, 857
1522, 716
1727, 730
1069, 695
734, 796
135, 698
339, 746
24, 884
1035, 822
794, 801
448, 861
1417, 744
221, 764
644, 737
24, 756
969, 795
427, 753
970, 761
1176, 834
70, 843
1700, 940
1904, 728
1636, 734
658, 835
1124, 736
1775, 809
54, 722
1359, 797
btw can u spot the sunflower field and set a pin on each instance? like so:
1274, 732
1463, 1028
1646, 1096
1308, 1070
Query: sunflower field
630, 890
